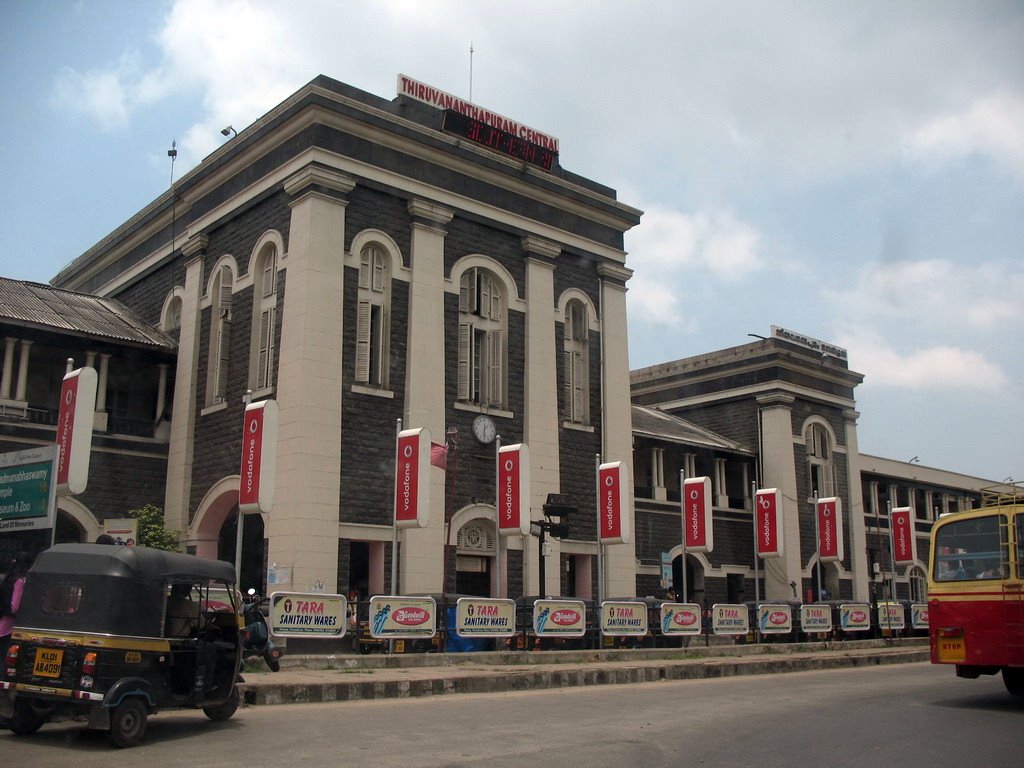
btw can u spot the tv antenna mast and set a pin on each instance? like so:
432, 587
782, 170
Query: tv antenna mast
471, 70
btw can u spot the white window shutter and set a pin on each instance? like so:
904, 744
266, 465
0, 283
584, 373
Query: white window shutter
223, 345
577, 387
465, 359
494, 368
467, 291
224, 299
378, 271
266, 353
363, 342
567, 384
270, 275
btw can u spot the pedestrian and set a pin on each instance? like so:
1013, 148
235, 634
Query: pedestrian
11, 589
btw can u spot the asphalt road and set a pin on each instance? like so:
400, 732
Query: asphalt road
905, 715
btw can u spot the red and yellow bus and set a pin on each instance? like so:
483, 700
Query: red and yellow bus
975, 595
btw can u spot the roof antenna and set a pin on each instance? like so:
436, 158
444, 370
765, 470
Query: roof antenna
471, 70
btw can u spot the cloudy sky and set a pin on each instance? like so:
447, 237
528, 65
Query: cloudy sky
852, 171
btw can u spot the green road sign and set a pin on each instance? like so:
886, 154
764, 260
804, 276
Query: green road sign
27, 489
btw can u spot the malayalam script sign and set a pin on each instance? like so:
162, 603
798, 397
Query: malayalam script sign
816, 617
624, 618
730, 619
27, 489
485, 617
680, 619
402, 617
298, 614
559, 618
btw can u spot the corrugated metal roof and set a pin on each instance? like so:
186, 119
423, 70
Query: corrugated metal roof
650, 422
43, 306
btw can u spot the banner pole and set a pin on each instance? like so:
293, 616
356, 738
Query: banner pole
394, 519
817, 547
892, 562
597, 529
757, 563
682, 509
499, 575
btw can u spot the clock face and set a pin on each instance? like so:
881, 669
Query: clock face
484, 429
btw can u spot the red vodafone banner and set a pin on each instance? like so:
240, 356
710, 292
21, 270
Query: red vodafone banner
259, 457
768, 522
412, 478
613, 503
74, 430
904, 547
514, 490
698, 531
830, 529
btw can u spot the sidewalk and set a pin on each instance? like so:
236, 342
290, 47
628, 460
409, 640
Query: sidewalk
353, 678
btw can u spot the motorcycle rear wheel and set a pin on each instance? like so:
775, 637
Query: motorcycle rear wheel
272, 662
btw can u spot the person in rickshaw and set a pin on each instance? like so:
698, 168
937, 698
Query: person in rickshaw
182, 612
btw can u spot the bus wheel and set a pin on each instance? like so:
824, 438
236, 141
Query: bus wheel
1013, 679
128, 722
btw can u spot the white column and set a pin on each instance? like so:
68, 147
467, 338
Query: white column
720, 490
8, 370
183, 410
780, 472
161, 391
303, 526
23, 370
541, 418
617, 417
421, 561
858, 545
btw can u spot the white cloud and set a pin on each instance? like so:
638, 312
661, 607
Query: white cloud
713, 242
102, 96
926, 368
991, 126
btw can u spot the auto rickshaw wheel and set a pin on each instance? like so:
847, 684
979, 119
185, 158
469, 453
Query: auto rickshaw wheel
24, 720
225, 709
128, 722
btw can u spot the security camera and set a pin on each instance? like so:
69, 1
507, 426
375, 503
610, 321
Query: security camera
228, 130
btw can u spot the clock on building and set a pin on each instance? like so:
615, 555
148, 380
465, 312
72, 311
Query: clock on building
484, 429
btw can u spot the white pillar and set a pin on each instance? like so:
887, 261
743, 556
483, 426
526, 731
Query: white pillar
422, 549
161, 391
619, 569
303, 526
23, 370
8, 370
541, 417
183, 410
858, 545
780, 472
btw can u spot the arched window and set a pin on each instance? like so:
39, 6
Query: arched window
820, 461
576, 363
372, 316
482, 338
220, 335
264, 319
171, 321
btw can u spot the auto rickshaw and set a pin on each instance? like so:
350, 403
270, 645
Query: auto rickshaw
110, 635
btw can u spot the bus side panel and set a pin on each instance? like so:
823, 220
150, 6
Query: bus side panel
982, 617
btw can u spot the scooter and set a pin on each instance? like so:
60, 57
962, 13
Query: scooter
256, 636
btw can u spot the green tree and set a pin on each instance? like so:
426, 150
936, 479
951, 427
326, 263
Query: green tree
152, 532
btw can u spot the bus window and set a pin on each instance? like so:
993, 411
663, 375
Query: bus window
1020, 546
970, 549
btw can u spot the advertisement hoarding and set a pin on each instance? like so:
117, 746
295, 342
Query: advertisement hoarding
403, 617
698, 531
680, 619
613, 502
300, 614
769, 522
830, 529
74, 430
559, 618
259, 457
412, 478
514, 490
623, 618
485, 617
28, 489
904, 544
